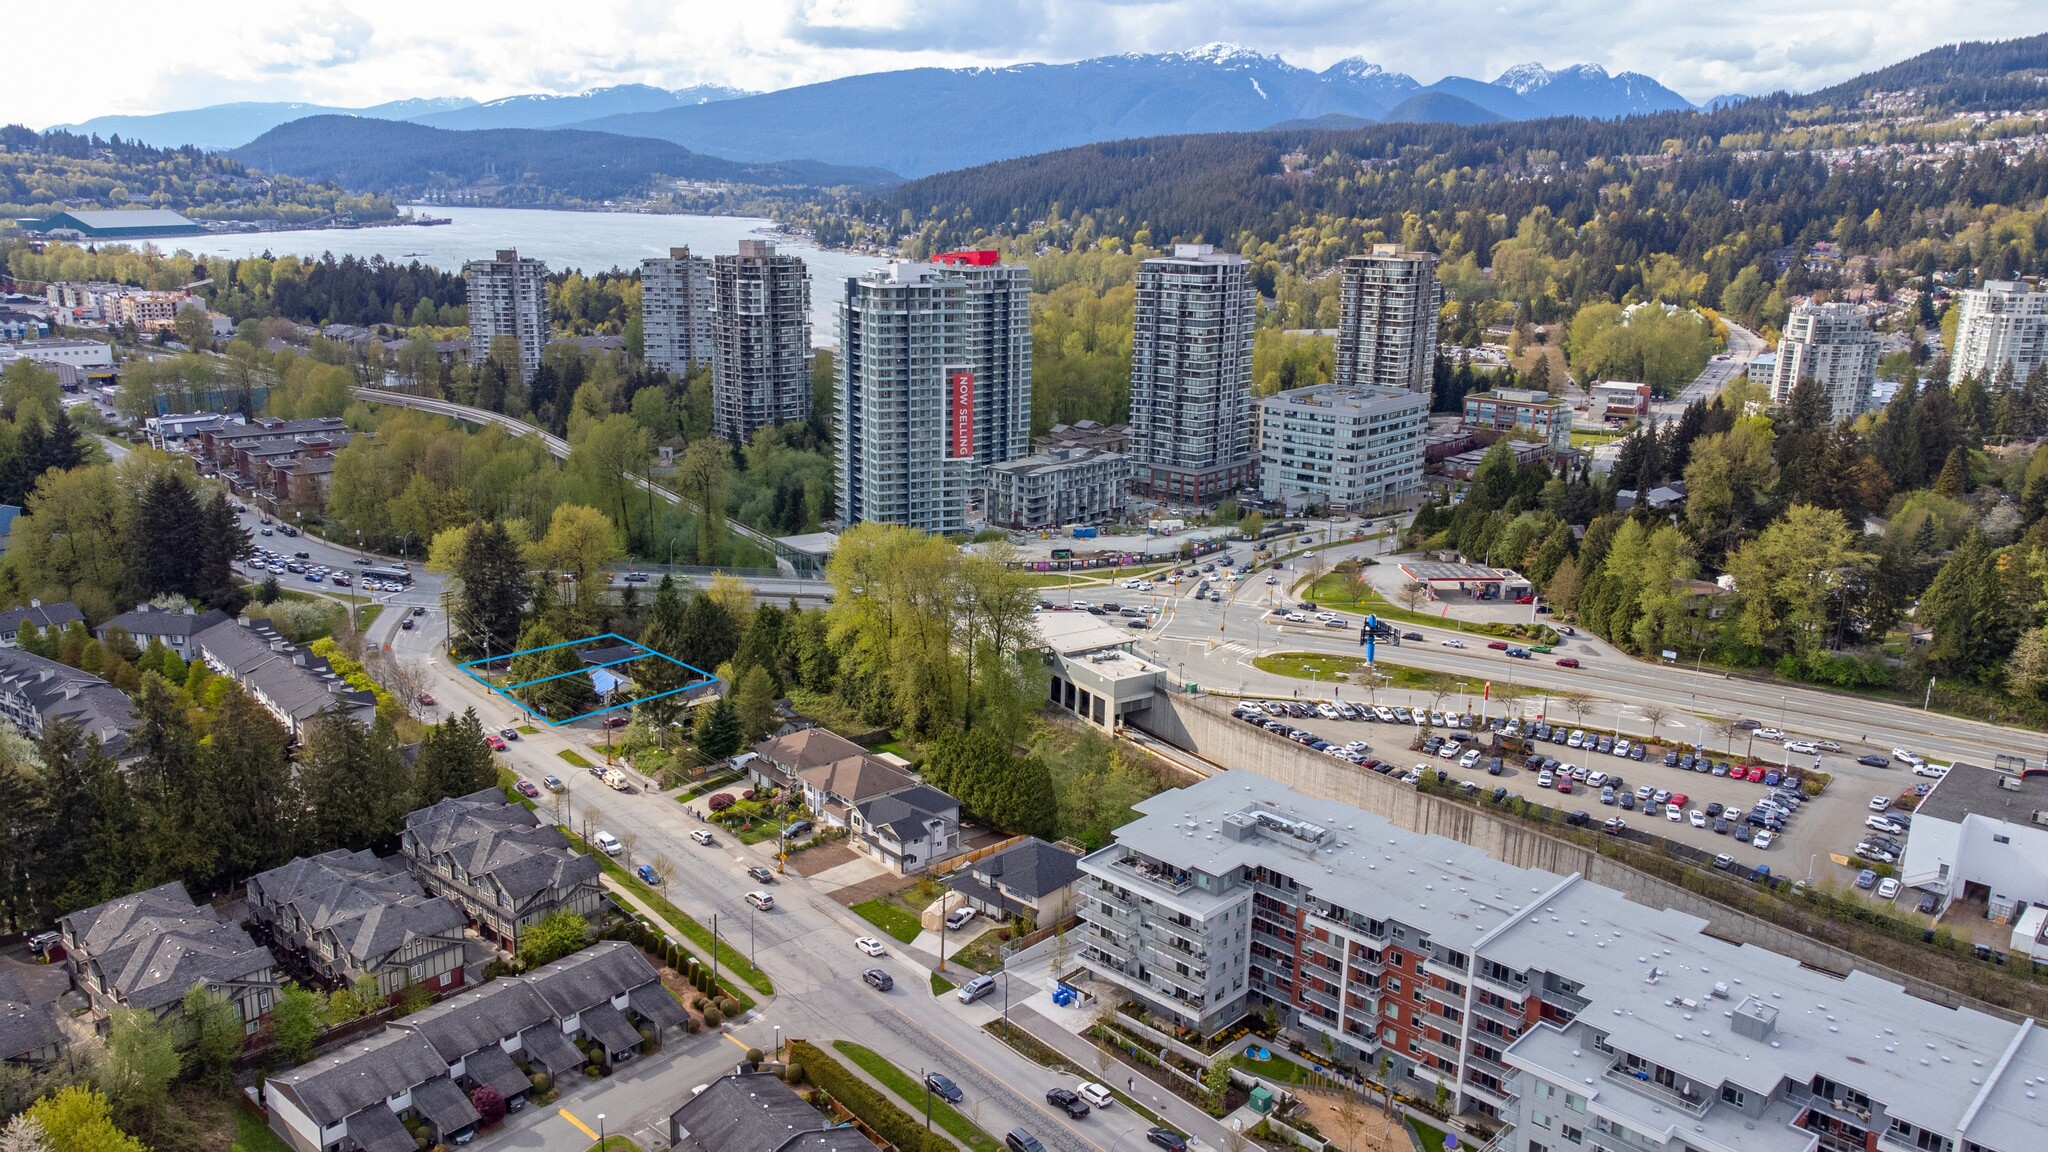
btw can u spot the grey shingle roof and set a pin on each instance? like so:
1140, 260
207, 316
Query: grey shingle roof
492, 1068
146, 622
1032, 867
445, 1105
378, 1129
299, 683
151, 947
505, 842
743, 1112
905, 812
592, 976
481, 1018
545, 1044
28, 998
60, 692
342, 1083
653, 1002
371, 906
41, 615
609, 1027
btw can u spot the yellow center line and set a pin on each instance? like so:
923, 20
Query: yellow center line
741, 1044
565, 1114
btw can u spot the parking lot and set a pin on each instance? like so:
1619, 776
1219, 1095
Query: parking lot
1830, 823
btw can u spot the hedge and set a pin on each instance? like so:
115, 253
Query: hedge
893, 1124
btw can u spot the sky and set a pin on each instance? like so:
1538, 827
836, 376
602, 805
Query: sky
159, 57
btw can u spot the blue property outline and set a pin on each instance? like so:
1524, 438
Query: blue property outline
588, 641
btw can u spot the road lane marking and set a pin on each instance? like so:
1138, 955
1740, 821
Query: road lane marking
742, 1045
586, 1129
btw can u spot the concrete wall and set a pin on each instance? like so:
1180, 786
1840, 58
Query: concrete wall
1203, 725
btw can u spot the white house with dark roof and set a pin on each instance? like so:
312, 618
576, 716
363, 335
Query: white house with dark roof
349, 916
173, 629
293, 685
1029, 876
146, 950
907, 830
498, 863
43, 616
426, 1064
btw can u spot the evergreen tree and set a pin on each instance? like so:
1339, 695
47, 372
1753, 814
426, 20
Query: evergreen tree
652, 675
251, 768
719, 730
222, 539
710, 635
357, 786
1954, 480
183, 819
453, 760
166, 549
494, 591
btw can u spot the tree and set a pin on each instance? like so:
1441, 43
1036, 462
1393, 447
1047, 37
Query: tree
213, 1036
755, 703
720, 729
580, 541
453, 760
552, 937
701, 477
654, 676
1788, 574
249, 763
357, 785
23, 1134
709, 635
494, 590
488, 1104
78, 1118
1009, 791
142, 1060
1412, 594
296, 1020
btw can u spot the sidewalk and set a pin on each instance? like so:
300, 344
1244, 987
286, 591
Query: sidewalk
1204, 1129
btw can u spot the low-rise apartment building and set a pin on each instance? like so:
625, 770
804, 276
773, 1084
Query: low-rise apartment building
44, 616
36, 692
499, 864
175, 630
1346, 447
1574, 1015
146, 950
347, 917
424, 1066
1525, 414
1058, 486
293, 685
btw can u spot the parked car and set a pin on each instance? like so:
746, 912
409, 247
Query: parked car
760, 874
646, 873
1873, 761
1068, 1101
1866, 879
976, 988
527, 789
1095, 1094
703, 838
870, 946
553, 784
1167, 1138
943, 1087
959, 918
1887, 889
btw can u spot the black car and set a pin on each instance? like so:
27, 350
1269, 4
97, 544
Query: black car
1671, 758
1579, 819
1873, 761
1929, 902
1635, 752
943, 1087
1168, 1139
1411, 635
1068, 1099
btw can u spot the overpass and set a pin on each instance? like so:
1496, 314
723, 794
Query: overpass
785, 557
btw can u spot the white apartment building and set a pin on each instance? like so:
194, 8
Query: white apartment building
1387, 319
903, 420
1349, 448
2002, 325
761, 340
1580, 1019
1191, 376
508, 296
1832, 345
675, 311
999, 352
1058, 486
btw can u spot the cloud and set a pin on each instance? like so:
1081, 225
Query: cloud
378, 50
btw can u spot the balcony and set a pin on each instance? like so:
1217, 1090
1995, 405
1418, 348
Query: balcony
1497, 1014
1181, 949
1498, 1097
1437, 1047
1488, 1064
1173, 880
1694, 1105
1501, 986
1316, 995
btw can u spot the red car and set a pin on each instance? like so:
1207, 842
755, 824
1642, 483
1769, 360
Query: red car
1568, 662
426, 699
496, 742
1525, 599
615, 721
1756, 773
526, 788
1498, 645
1680, 800
1564, 784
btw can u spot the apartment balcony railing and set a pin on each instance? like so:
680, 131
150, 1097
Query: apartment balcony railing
1693, 1105
1438, 1047
1497, 1014
1174, 880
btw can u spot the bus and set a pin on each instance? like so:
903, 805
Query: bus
388, 575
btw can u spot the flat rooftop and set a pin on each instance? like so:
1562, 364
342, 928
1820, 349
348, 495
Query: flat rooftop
1071, 633
1435, 571
1974, 788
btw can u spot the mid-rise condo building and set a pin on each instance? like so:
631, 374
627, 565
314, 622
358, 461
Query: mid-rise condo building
1387, 319
1833, 346
1191, 376
1347, 448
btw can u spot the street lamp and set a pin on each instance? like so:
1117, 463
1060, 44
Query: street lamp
600, 1132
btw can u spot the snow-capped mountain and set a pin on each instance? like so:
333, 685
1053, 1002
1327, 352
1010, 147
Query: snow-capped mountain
1587, 90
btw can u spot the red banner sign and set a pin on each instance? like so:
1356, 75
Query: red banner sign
960, 387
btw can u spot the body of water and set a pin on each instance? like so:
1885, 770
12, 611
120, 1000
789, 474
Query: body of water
590, 241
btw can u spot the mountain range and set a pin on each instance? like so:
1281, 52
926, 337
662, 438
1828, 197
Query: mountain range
924, 120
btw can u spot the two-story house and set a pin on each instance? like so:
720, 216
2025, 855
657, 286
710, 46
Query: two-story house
1030, 877
499, 864
146, 950
348, 916
44, 616
174, 630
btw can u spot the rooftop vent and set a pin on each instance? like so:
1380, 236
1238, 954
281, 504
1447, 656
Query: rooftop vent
1755, 1019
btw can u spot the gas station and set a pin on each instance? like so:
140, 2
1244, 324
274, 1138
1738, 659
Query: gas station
1476, 581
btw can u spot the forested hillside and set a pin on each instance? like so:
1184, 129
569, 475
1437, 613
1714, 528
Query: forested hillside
44, 172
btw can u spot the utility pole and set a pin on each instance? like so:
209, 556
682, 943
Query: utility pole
714, 947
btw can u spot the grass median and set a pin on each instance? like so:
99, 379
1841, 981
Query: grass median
911, 1092
730, 959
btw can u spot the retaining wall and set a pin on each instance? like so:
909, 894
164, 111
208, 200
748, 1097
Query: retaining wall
1204, 725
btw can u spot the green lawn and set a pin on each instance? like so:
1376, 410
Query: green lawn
941, 985
252, 1136
912, 1093
1432, 1137
573, 758
616, 1144
1310, 665
526, 730
1279, 1069
890, 917
1331, 592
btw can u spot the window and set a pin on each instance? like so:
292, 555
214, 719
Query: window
1540, 1119
1734, 1095
1575, 1103
1998, 839
1572, 1134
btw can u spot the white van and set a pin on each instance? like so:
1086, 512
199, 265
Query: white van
608, 844
976, 988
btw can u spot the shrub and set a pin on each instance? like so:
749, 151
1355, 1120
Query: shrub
755, 1056
890, 1122
749, 794
541, 1081
488, 1103
720, 802
713, 1018
793, 1073
729, 1006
